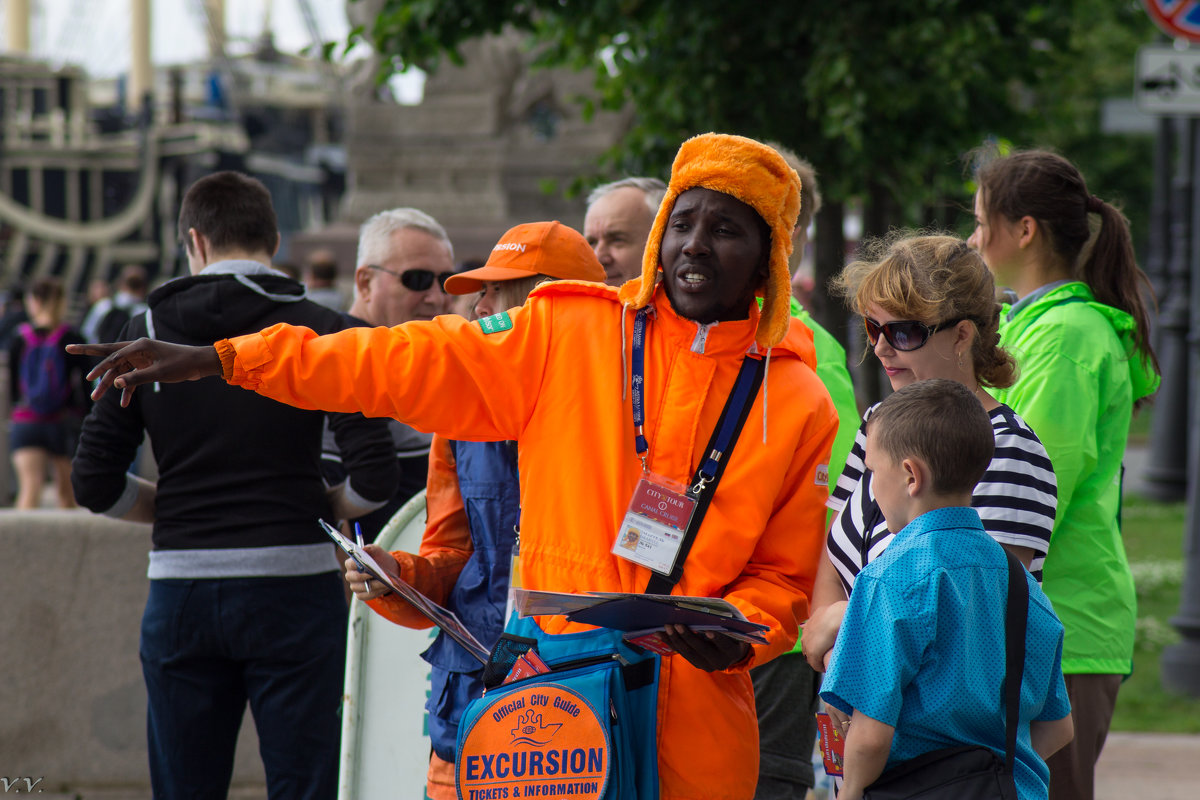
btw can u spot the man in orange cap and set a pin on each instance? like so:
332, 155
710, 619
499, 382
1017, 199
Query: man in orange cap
525, 256
555, 375
464, 559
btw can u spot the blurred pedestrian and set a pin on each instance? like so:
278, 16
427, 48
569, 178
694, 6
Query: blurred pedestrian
832, 366
287, 268
100, 300
12, 313
48, 394
130, 300
320, 279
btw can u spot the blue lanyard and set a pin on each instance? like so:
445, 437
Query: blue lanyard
727, 425
638, 378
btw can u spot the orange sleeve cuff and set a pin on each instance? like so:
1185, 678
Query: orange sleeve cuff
395, 608
243, 358
227, 353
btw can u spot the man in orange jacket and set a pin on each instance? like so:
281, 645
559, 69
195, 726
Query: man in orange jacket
554, 375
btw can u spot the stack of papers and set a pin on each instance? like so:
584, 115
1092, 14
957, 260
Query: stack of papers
641, 614
445, 619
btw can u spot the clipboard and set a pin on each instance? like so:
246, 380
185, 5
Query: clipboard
445, 619
641, 613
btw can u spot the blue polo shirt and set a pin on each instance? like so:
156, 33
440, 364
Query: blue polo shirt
921, 647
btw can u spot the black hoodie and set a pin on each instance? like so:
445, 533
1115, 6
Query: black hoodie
236, 470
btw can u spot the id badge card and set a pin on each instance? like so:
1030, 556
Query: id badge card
652, 531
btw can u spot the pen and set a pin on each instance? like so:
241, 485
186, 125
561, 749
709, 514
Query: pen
359, 538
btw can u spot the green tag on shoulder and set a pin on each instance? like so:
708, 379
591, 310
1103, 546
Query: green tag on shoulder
496, 323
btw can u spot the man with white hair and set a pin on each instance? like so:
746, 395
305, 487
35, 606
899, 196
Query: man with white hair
617, 224
404, 258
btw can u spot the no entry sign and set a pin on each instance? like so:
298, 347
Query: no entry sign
1177, 18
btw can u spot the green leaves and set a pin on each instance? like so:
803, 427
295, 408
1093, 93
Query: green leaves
888, 92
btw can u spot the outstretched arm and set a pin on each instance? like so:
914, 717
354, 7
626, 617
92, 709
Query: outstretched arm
495, 376
127, 365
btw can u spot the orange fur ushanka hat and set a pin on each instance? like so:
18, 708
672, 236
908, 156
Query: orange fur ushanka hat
758, 176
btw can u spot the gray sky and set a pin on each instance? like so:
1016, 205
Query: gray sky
95, 33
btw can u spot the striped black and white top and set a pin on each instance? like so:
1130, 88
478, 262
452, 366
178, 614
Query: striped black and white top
1016, 499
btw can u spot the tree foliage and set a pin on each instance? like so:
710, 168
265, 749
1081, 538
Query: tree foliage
884, 97
1097, 65
887, 91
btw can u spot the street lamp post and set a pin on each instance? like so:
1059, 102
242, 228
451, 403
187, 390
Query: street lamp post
1167, 467
1180, 663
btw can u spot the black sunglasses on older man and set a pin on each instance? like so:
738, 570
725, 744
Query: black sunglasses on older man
416, 280
905, 335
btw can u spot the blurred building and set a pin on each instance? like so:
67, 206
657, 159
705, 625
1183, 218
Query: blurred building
93, 171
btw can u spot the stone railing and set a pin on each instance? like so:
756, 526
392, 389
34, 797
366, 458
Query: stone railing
72, 701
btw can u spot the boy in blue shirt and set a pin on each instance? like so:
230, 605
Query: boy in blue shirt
919, 659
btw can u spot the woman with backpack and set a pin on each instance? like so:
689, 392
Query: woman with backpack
1081, 335
48, 394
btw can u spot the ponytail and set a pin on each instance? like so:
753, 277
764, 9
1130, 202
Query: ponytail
1112, 273
1050, 189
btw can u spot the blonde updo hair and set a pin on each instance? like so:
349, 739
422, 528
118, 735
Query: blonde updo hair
932, 278
515, 292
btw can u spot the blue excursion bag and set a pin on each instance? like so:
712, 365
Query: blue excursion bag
587, 728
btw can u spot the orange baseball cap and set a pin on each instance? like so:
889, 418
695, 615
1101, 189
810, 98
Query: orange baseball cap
535, 248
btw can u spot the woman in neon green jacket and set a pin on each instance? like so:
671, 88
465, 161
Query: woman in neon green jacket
1080, 333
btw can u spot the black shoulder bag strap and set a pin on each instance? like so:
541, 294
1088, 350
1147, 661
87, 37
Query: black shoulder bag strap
712, 466
1014, 655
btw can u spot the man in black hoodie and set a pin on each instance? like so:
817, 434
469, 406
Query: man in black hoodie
245, 601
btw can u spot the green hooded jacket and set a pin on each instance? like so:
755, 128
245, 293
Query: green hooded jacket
833, 372
1078, 378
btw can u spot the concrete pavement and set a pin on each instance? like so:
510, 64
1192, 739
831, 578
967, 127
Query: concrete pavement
1140, 766
1134, 766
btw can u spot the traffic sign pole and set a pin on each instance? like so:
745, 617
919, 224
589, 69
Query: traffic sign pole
1167, 79
1166, 468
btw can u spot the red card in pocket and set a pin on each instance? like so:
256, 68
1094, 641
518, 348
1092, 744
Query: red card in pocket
832, 744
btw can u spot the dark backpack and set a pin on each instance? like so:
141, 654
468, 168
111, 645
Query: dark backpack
45, 389
112, 323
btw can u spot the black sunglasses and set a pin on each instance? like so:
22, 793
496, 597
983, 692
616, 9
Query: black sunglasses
416, 280
905, 335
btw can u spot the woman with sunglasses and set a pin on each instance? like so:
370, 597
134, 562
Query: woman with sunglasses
1081, 334
928, 303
